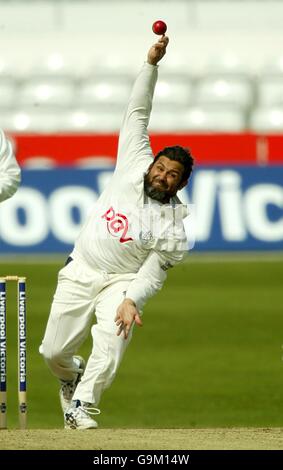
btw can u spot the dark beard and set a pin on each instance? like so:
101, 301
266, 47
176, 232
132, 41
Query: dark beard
154, 193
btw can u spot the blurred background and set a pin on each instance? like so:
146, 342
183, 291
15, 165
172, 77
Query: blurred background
66, 71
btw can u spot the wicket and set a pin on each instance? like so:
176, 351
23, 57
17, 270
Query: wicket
22, 383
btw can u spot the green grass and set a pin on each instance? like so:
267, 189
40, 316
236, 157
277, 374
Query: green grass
209, 353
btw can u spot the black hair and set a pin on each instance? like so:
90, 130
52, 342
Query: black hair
179, 154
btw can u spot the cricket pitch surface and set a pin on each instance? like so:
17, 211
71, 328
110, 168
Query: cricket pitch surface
146, 439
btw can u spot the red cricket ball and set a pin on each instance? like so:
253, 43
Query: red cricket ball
159, 27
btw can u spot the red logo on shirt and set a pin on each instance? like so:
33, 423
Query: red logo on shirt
117, 223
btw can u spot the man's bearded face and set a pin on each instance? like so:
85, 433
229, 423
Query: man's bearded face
163, 179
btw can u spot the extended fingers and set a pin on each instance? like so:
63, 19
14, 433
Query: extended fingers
125, 329
138, 320
120, 329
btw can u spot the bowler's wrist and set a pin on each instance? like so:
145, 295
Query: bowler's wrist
129, 301
150, 63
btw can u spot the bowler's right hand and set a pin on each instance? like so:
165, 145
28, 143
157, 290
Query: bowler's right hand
157, 51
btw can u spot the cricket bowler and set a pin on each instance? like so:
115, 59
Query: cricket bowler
120, 258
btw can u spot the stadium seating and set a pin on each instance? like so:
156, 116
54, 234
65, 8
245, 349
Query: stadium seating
104, 90
267, 120
53, 64
173, 90
270, 91
32, 120
91, 119
7, 92
53, 94
47, 92
223, 90
227, 65
198, 119
273, 67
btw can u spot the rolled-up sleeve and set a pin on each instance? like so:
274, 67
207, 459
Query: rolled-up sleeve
151, 276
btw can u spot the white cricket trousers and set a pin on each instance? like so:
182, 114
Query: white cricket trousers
81, 292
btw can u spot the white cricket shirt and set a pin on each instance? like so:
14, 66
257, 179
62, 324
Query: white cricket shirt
112, 240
